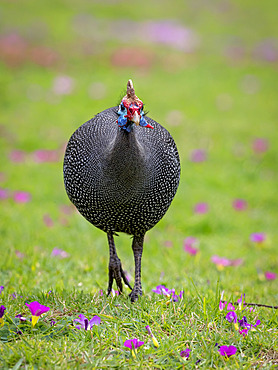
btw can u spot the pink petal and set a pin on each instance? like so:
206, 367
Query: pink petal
48, 221
240, 204
22, 197
270, 275
201, 208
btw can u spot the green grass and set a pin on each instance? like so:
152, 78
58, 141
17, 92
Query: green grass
218, 113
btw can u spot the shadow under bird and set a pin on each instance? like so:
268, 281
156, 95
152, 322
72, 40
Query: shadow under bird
122, 171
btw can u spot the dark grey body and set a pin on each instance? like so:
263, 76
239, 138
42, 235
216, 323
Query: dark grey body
120, 181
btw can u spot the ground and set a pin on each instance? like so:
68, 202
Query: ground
208, 73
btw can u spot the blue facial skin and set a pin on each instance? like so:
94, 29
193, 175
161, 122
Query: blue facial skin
122, 120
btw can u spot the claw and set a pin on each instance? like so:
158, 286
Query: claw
116, 272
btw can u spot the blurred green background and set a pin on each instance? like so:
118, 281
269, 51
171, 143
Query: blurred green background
207, 71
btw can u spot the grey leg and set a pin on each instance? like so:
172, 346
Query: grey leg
115, 267
137, 247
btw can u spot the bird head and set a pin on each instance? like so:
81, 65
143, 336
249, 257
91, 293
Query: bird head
131, 111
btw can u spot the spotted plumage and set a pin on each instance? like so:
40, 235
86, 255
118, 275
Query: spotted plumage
122, 178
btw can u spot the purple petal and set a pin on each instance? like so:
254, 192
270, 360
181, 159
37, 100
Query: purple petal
4, 194
198, 155
243, 332
185, 353
230, 307
189, 245
94, 321
260, 145
149, 330
48, 221
240, 204
21, 318
227, 350
2, 309
257, 237
231, 317
221, 261
44, 156
1, 288
270, 275
201, 208
63, 85
36, 308
17, 156
22, 197
133, 343
222, 305
57, 252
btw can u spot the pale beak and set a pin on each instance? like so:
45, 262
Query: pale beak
136, 118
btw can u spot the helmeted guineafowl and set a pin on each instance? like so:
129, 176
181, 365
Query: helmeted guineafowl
121, 171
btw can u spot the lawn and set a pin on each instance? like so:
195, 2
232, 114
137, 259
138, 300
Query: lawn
208, 73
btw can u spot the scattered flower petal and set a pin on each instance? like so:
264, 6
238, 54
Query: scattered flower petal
201, 208
46, 156
267, 51
185, 353
222, 305
1, 288
21, 318
231, 317
85, 323
133, 343
48, 221
222, 262
168, 243
22, 197
227, 350
17, 156
155, 342
57, 252
258, 237
4, 194
230, 307
198, 155
270, 275
240, 204
19, 254
36, 308
2, 309
243, 332
189, 245
63, 85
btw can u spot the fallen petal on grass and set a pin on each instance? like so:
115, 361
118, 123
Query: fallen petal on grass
85, 323
57, 252
231, 317
240, 204
198, 155
270, 275
189, 245
258, 237
133, 343
185, 353
22, 197
36, 308
227, 350
201, 208
155, 342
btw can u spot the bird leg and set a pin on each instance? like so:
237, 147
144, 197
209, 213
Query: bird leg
115, 268
137, 247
